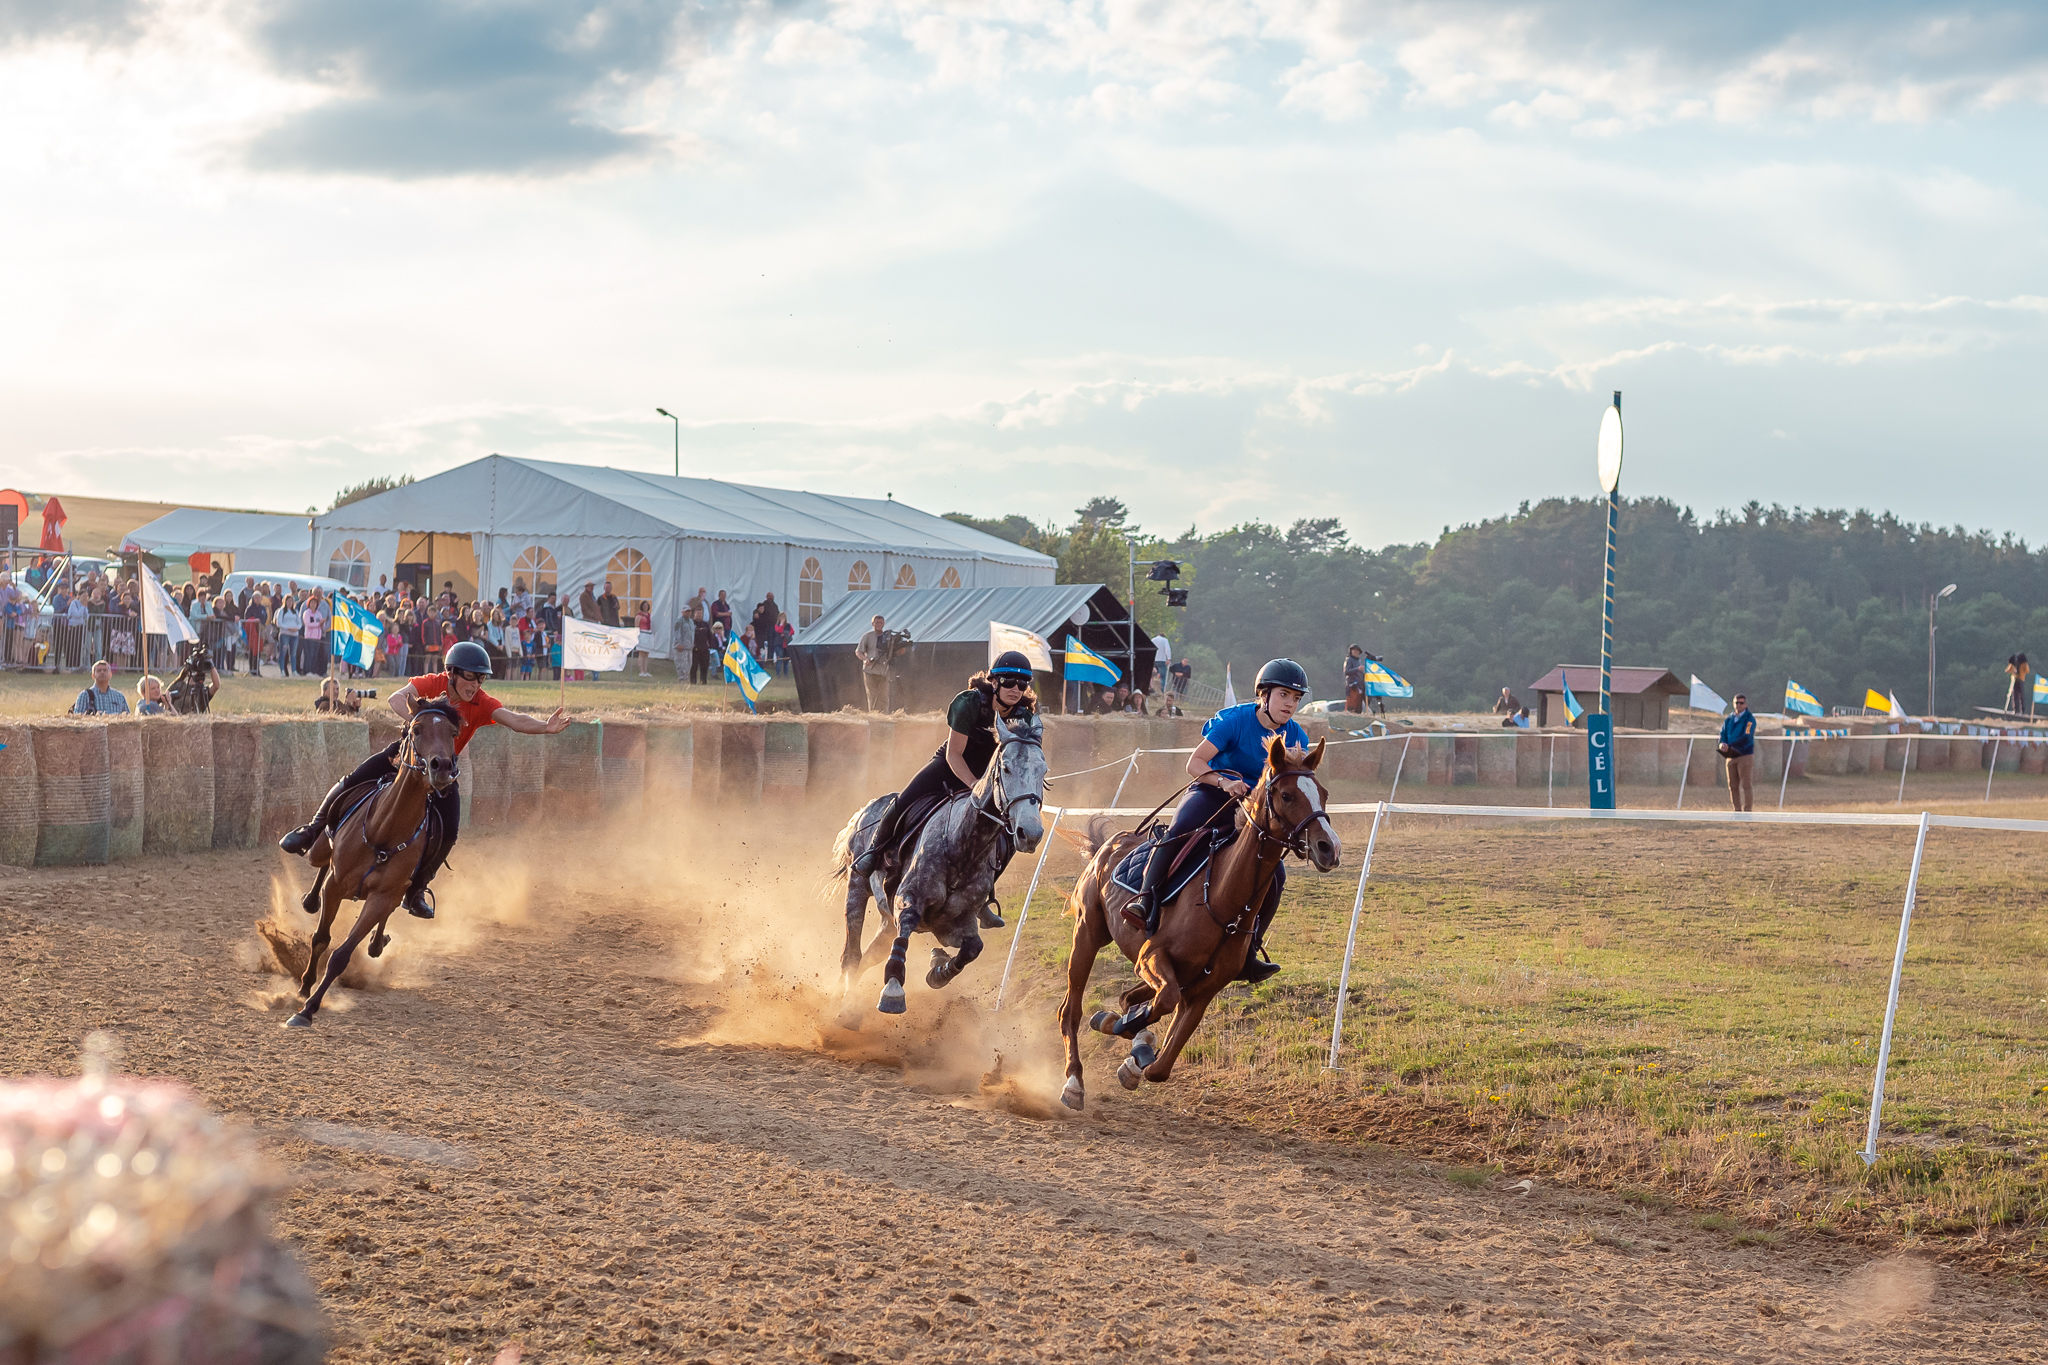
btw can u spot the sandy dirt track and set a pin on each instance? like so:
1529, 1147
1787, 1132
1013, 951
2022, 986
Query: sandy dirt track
557, 1123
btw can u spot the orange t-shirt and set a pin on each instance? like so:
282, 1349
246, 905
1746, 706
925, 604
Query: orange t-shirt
475, 714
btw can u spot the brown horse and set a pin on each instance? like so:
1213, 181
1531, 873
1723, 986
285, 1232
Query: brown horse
1204, 932
371, 855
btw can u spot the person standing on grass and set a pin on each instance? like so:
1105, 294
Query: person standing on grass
1738, 747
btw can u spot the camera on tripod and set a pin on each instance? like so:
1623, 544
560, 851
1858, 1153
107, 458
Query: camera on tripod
191, 692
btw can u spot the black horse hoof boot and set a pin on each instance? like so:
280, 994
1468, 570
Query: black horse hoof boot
419, 907
300, 841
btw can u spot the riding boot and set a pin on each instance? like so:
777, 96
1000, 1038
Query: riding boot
1257, 966
301, 840
885, 834
418, 901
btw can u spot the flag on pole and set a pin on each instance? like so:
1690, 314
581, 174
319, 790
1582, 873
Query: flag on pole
1572, 709
602, 649
1874, 700
1705, 698
1229, 692
356, 632
160, 615
1381, 681
1085, 665
1032, 647
1799, 700
1898, 711
741, 668
2040, 687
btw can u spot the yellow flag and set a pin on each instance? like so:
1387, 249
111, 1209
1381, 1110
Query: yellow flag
1874, 700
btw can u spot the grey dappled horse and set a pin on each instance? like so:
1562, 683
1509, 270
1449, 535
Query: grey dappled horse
950, 873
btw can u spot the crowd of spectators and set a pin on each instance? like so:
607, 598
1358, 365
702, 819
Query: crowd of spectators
706, 628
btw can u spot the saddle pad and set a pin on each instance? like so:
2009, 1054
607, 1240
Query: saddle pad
1130, 873
913, 822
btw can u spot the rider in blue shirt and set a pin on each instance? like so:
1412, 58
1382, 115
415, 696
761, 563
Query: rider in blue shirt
1228, 762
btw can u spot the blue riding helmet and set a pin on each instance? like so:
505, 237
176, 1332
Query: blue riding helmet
1011, 663
470, 657
1282, 673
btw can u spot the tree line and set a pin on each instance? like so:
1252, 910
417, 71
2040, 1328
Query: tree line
1746, 599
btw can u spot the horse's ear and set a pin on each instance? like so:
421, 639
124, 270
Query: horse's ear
1276, 753
1315, 756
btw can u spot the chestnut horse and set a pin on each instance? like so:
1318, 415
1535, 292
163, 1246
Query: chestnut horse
1204, 931
371, 855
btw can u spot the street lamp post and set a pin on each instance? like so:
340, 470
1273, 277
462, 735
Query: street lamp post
679, 438
1933, 604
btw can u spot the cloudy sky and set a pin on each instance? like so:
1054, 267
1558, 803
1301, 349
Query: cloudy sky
1224, 259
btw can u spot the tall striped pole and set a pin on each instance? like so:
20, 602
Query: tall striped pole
1610, 479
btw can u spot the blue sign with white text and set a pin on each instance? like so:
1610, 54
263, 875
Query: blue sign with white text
1600, 760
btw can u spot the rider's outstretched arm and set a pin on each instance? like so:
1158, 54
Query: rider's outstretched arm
531, 725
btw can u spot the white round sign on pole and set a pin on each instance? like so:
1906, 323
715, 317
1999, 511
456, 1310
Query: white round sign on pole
1610, 450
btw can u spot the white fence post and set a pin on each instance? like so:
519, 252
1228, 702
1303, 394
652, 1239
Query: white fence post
1403, 763
1904, 764
1351, 939
1891, 1005
1686, 771
1994, 767
1017, 934
1550, 778
1787, 776
1129, 768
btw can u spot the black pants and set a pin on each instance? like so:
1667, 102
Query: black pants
700, 666
446, 803
1196, 809
934, 778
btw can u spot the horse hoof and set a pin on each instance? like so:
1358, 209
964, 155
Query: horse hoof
1071, 1095
311, 904
1130, 1073
299, 1020
1145, 1049
377, 945
892, 1001
1102, 1021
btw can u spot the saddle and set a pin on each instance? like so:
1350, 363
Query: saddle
1193, 857
360, 795
915, 817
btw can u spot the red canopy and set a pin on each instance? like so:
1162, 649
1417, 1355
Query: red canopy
9, 496
53, 524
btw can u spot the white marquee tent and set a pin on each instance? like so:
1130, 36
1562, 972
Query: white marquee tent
501, 520
259, 541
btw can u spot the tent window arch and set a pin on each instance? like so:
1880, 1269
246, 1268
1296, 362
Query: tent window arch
906, 577
810, 593
631, 577
534, 571
950, 578
857, 579
350, 563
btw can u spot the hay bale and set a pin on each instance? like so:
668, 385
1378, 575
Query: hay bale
1498, 760
526, 777
1441, 756
575, 773
237, 783
670, 763
741, 757
785, 761
345, 744
294, 767
73, 794
486, 803
20, 802
1637, 761
177, 786
151, 1241
124, 788
838, 764
625, 768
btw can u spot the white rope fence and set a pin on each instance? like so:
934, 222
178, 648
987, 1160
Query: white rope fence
1379, 810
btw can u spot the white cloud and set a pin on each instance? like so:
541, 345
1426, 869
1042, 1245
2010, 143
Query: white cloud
1344, 91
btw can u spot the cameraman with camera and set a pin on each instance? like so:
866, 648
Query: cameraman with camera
875, 651
192, 691
339, 701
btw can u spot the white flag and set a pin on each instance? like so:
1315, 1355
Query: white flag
1898, 711
586, 644
160, 615
1229, 692
1032, 647
1704, 698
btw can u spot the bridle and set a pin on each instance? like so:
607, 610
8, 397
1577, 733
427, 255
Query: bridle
409, 760
988, 808
1262, 796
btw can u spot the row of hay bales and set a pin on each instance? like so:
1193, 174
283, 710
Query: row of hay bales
80, 791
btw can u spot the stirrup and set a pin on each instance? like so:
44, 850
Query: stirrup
419, 903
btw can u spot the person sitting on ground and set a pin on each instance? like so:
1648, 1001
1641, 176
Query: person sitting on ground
1135, 704
149, 697
333, 698
102, 698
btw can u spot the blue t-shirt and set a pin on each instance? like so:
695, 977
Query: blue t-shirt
1241, 741
1738, 732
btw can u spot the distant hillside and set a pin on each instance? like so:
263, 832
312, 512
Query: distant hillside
1835, 599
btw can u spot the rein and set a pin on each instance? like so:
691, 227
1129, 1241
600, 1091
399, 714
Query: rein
1291, 842
409, 761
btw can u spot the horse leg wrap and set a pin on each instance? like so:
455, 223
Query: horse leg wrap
1131, 1023
898, 952
943, 970
1102, 1021
1145, 1049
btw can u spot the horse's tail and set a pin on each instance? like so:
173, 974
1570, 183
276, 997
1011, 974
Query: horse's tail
843, 852
1101, 829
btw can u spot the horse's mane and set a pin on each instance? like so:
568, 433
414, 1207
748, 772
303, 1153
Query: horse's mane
439, 707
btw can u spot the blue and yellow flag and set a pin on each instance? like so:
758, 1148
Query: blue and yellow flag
1572, 709
1381, 681
356, 633
1799, 700
2040, 687
1085, 665
741, 668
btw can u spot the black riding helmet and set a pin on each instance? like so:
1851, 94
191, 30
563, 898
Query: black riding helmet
1282, 673
470, 657
1011, 663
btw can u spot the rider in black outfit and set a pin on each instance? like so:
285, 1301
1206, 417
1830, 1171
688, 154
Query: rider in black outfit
1004, 690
